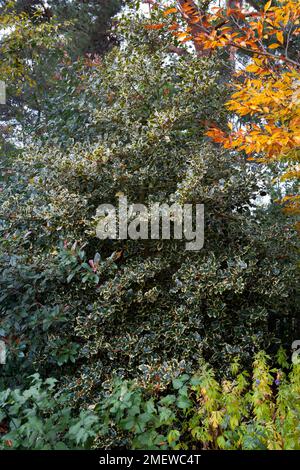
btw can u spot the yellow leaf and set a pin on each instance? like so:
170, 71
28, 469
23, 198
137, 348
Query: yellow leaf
252, 68
297, 139
274, 46
267, 5
279, 36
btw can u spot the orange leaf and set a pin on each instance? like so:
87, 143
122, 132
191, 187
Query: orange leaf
181, 36
260, 29
169, 11
216, 134
154, 26
173, 26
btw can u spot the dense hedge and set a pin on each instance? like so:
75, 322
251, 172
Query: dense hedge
144, 306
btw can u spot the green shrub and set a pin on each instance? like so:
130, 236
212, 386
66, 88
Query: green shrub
200, 412
40, 418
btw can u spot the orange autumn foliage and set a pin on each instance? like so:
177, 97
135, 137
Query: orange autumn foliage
267, 91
